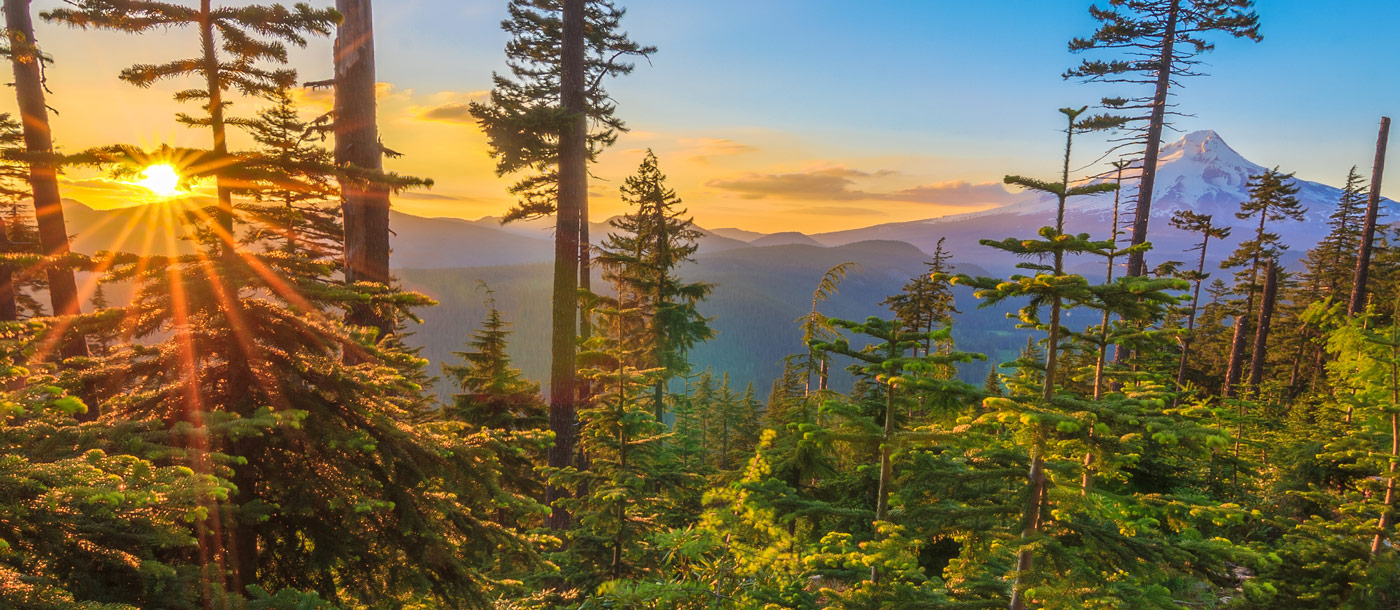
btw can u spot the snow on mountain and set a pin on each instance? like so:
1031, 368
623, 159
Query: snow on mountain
1197, 172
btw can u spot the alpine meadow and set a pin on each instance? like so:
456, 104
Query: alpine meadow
720, 305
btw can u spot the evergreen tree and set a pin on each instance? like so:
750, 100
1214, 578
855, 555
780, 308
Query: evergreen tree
1050, 417
620, 500
91, 515
494, 396
924, 305
1160, 41
1272, 198
28, 62
642, 257
1203, 224
549, 118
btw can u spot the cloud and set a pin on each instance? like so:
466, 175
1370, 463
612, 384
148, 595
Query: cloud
839, 184
955, 193
833, 184
701, 150
322, 98
430, 196
840, 211
450, 107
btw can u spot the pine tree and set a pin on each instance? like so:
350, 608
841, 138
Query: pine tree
1039, 410
28, 61
1159, 41
494, 396
1272, 198
549, 118
293, 170
923, 304
620, 498
1203, 224
360, 155
93, 513
14, 226
642, 256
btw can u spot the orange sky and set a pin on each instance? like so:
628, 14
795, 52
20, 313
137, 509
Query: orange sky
865, 114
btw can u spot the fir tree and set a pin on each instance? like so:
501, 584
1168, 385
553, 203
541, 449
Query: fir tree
923, 304
1203, 224
494, 396
549, 118
1272, 198
1160, 40
28, 62
642, 256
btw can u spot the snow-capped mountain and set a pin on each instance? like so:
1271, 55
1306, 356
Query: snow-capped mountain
1198, 172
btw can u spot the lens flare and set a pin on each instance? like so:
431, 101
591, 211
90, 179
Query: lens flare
163, 180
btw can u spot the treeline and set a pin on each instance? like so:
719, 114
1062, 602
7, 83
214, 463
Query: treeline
249, 431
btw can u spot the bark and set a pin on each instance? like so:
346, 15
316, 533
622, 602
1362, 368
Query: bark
9, 310
1035, 497
365, 203
1368, 231
243, 544
43, 172
1136, 265
573, 193
1261, 336
882, 501
1195, 307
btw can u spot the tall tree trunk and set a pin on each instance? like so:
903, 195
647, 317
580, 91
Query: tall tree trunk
1195, 306
573, 194
1261, 334
9, 309
1368, 231
1235, 370
1388, 504
43, 172
882, 501
1136, 264
365, 202
1035, 496
243, 545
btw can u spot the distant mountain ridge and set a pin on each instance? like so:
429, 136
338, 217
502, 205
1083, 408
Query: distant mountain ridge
1197, 172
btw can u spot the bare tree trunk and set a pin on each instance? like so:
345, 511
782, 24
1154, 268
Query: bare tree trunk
1368, 232
573, 193
1261, 335
365, 202
43, 172
9, 309
1136, 265
1389, 503
243, 546
1195, 306
882, 501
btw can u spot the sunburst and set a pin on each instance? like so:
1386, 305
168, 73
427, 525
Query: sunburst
162, 180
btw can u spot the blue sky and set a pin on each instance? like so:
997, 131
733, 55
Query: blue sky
896, 94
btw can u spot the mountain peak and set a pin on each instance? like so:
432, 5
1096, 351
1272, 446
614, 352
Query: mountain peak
1204, 147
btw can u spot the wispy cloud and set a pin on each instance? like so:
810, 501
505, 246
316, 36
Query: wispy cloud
954, 193
702, 150
840, 211
450, 107
841, 184
833, 184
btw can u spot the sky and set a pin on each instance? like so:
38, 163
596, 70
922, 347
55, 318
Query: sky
792, 115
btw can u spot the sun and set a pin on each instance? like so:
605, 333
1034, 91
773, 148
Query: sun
161, 179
